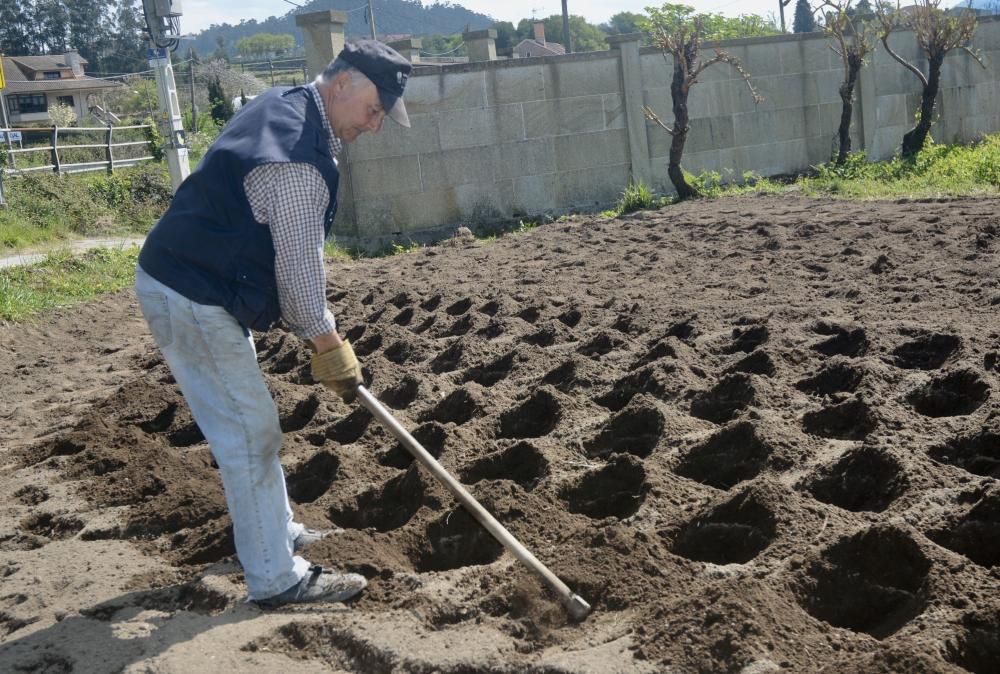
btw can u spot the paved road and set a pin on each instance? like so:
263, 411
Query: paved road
76, 246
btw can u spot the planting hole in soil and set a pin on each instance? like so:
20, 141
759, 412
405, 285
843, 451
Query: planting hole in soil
613, 490
725, 400
387, 507
533, 418
522, 463
313, 478
872, 582
733, 533
865, 479
955, 394
978, 453
635, 430
729, 457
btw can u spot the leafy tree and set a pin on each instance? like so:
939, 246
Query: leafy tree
679, 33
15, 27
863, 8
584, 36
804, 21
221, 107
89, 30
262, 45
622, 23
62, 115
525, 29
854, 35
506, 34
714, 26
231, 80
128, 40
444, 45
220, 53
938, 33
393, 17
51, 21
719, 27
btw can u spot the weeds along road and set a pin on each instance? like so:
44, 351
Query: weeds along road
34, 256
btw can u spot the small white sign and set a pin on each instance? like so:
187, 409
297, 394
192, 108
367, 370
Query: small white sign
15, 135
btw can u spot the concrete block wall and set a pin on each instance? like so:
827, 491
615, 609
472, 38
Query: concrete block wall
792, 128
520, 137
968, 104
490, 140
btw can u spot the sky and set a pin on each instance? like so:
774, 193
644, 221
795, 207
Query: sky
200, 14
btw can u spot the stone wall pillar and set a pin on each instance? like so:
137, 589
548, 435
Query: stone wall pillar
866, 107
481, 45
409, 48
324, 38
627, 45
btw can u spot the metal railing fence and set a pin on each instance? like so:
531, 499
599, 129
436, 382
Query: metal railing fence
35, 149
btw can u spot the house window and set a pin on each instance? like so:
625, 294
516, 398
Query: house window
52, 75
66, 100
24, 104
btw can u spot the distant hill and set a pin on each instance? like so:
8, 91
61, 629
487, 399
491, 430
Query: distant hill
392, 17
985, 5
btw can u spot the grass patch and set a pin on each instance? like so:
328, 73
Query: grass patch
334, 251
710, 184
635, 197
47, 208
63, 279
937, 171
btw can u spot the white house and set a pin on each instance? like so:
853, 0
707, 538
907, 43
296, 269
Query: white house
538, 46
34, 83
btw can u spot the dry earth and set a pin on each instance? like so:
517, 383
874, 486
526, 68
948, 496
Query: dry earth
757, 434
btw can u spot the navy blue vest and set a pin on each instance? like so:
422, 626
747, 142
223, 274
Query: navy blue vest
207, 246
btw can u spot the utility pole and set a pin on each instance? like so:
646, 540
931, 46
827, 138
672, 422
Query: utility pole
781, 8
3, 100
569, 47
194, 106
6, 127
371, 16
163, 23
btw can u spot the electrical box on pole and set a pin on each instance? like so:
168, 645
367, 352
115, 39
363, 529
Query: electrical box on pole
163, 24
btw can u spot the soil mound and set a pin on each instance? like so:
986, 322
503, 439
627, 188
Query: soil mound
749, 444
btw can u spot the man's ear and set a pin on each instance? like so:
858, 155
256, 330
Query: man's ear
342, 81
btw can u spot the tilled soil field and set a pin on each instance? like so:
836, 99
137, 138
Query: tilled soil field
757, 434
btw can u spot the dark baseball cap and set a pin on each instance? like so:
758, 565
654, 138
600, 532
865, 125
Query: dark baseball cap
388, 71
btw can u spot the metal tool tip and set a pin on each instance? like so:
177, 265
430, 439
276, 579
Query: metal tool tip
578, 608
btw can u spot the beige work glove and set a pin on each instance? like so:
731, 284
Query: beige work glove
338, 370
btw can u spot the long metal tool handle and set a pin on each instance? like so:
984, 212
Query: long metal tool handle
574, 603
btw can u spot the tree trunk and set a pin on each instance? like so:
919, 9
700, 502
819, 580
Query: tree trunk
913, 140
679, 96
847, 111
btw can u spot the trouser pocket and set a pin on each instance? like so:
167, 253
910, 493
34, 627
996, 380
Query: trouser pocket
155, 308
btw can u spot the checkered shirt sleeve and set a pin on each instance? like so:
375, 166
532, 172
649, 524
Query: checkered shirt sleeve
292, 200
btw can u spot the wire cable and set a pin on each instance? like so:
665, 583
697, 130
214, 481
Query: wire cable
423, 53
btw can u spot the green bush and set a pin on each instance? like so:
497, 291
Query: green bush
635, 197
113, 191
937, 170
44, 207
987, 168
155, 139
